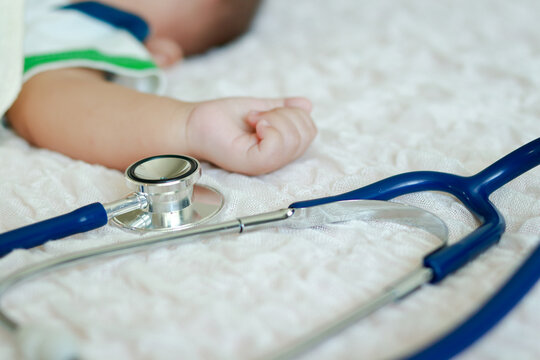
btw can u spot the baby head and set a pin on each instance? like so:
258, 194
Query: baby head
190, 26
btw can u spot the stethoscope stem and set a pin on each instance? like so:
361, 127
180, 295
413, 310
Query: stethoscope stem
111, 250
131, 202
296, 218
187, 236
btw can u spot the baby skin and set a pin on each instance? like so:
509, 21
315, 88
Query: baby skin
77, 112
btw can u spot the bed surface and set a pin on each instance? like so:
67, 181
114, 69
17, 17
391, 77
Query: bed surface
397, 86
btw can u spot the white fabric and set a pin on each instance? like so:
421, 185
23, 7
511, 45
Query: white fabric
49, 30
449, 85
11, 62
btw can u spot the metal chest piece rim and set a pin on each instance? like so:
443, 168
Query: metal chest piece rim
173, 199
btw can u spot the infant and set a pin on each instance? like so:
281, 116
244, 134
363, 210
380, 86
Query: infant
68, 102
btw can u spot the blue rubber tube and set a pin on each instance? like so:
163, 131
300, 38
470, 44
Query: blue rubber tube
472, 191
83, 219
488, 315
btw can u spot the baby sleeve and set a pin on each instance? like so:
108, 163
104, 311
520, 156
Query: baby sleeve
10, 52
90, 35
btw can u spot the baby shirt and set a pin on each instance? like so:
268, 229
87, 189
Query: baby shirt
54, 34
11, 30
91, 35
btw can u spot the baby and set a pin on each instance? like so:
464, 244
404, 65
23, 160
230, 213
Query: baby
68, 102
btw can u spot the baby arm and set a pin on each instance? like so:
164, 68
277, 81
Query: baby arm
77, 112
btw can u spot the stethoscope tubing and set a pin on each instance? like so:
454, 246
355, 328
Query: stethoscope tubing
83, 219
472, 191
487, 315
295, 218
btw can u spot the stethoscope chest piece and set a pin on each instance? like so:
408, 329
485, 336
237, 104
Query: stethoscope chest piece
173, 199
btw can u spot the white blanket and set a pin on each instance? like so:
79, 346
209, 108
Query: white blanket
449, 85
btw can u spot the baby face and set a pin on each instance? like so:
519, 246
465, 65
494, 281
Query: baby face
189, 23
195, 25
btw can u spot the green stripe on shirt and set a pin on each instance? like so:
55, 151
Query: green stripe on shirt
92, 55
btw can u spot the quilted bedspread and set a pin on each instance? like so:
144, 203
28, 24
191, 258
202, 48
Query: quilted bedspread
448, 85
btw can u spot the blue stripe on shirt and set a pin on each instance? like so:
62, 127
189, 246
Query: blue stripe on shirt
118, 18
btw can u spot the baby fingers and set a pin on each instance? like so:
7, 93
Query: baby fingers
284, 135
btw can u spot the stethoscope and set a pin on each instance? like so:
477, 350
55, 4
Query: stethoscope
165, 200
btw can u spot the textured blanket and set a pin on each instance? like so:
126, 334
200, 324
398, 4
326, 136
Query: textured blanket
397, 86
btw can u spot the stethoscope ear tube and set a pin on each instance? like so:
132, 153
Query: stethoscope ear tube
473, 192
86, 218
487, 315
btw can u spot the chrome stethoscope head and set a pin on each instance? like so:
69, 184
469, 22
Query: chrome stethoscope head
170, 198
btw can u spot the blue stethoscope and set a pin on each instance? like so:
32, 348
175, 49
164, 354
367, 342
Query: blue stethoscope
149, 208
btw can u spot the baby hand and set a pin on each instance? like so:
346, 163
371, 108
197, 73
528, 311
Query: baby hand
248, 135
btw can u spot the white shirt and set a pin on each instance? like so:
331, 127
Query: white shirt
57, 38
